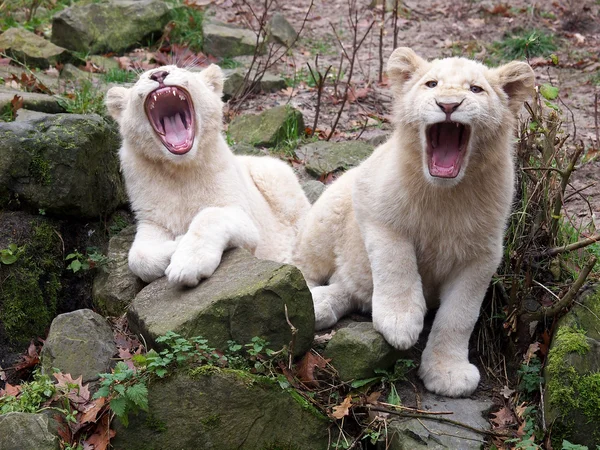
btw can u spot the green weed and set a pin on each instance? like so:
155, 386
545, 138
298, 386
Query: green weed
91, 260
530, 376
32, 396
229, 63
525, 44
119, 76
187, 27
84, 100
10, 255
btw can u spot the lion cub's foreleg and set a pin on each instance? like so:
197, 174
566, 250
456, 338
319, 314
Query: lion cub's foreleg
398, 302
151, 251
211, 232
445, 367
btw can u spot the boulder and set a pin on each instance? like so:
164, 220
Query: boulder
30, 285
225, 41
71, 73
79, 343
269, 128
281, 31
116, 285
112, 26
313, 190
31, 49
357, 350
247, 149
324, 157
65, 164
235, 78
426, 434
222, 409
31, 101
244, 298
25, 115
24, 431
572, 374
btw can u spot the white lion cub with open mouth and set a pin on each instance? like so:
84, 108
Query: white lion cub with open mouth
192, 197
420, 222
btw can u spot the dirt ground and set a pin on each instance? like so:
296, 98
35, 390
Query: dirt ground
437, 29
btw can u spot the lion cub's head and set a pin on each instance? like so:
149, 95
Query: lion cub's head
459, 108
170, 112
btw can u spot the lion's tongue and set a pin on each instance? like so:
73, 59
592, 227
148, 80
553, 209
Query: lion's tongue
175, 132
446, 148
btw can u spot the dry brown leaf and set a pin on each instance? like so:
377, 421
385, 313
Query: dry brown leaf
305, 370
531, 351
503, 418
101, 438
342, 409
507, 392
91, 410
373, 397
76, 391
9, 389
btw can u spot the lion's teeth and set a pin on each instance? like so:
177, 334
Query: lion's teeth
181, 97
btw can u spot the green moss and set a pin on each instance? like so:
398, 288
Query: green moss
155, 424
211, 421
306, 405
39, 169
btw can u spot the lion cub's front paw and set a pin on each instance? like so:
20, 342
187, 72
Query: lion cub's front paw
448, 377
400, 329
188, 268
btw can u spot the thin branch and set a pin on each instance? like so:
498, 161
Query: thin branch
294, 331
381, 29
575, 246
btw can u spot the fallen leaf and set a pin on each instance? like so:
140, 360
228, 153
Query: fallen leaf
91, 410
580, 38
101, 438
76, 391
531, 351
503, 418
342, 409
31, 358
373, 397
305, 370
507, 392
9, 389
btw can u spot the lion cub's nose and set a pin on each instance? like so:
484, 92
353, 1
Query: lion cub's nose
449, 108
159, 76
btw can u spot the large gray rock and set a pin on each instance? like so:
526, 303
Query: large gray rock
226, 42
65, 164
112, 26
313, 190
426, 434
79, 343
31, 49
281, 31
572, 374
221, 409
116, 285
357, 350
325, 157
24, 431
269, 128
31, 101
244, 298
235, 79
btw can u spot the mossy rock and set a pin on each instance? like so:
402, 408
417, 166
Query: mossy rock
29, 291
223, 409
24, 431
244, 298
31, 101
225, 41
572, 374
325, 157
111, 26
31, 49
268, 129
64, 164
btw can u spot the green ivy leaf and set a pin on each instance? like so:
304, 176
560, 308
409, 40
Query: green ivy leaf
548, 91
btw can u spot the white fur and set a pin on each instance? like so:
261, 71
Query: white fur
390, 238
190, 208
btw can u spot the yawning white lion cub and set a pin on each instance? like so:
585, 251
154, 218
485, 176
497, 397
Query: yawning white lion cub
420, 222
191, 196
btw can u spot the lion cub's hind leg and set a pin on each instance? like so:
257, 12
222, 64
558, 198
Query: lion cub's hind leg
331, 303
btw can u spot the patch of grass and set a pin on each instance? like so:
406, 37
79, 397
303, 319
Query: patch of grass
85, 100
119, 76
187, 27
7, 114
321, 46
595, 78
525, 44
229, 63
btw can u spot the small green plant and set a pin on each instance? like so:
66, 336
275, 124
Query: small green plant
530, 376
119, 76
91, 260
531, 432
11, 254
229, 63
84, 100
33, 395
187, 27
525, 44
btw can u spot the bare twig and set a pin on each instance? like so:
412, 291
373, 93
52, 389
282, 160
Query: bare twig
320, 83
294, 331
381, 30
575, 246
395, 23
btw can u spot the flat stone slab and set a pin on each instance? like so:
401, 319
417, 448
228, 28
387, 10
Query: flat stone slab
31, 49
234, 80
313, 190
325, 157
244, 298
268, 128
227, 42
32, 101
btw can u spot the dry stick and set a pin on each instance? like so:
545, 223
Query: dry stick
580, 190
439, 419
381, 28
320, 84
551, 311
572, 118
415, 410
596, 118
577, 245
294, 331
355, 48
395, 23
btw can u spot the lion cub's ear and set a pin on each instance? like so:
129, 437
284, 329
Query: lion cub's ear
518, 81
116, 101
403, 63
213, 76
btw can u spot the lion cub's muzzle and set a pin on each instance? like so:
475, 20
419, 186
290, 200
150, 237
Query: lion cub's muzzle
447, 144
171, 114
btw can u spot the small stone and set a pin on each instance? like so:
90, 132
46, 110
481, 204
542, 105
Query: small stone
234, 79
104, 63
225, 41
357, 350
325, 157
72, 73
79, 343
269, 128
25, 115
247, 149
31, 49
32, 101
244, 298
313, 190
25, 431
116, 285
281, 31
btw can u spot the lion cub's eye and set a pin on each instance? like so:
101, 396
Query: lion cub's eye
476, 89
431, 84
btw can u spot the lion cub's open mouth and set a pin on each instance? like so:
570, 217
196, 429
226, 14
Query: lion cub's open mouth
446, 147
171, 114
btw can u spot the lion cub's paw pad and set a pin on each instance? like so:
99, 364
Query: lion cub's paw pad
450, 379
188, 269
400, 330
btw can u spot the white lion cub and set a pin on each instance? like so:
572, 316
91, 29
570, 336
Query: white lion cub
191, 196
420, 222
